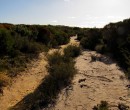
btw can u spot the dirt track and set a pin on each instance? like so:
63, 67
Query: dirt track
96, 81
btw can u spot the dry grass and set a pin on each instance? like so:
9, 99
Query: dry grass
4, 80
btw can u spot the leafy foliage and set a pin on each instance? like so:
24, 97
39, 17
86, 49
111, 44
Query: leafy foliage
6, 42
91, 39
72, 51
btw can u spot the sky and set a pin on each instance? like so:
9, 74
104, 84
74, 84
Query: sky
81, 13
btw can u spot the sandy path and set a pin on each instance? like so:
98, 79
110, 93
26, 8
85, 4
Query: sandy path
73, 41
96, 81
24, 84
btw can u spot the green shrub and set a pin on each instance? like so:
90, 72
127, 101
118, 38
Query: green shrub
84, 42
13, 65
6, 42
44, 36
61, 38
100, 48
102, 106
71, 51
58, 78
61, 72
55, 58
54, 43
91, 39
23, 30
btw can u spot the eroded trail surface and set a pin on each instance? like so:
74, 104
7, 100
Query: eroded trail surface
100, 80
24, 83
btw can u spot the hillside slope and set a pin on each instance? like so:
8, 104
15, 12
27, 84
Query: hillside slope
24, 83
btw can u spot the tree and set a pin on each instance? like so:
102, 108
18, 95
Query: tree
44, 36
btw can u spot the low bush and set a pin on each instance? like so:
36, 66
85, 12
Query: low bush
100, 48
61, 72
6, 42
59, 77
84, 42
71, 51
13, 65
102, 106
59, 68
55, 58
32, 47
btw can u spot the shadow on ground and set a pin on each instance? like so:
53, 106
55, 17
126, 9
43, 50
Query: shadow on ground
36, 100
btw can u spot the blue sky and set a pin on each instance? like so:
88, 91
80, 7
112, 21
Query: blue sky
83, 13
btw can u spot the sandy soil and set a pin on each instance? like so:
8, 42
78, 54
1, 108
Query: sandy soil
95, 81
24, 83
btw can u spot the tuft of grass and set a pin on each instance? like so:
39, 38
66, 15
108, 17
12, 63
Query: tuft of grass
55, 58
102, 106
72, 51
4, 80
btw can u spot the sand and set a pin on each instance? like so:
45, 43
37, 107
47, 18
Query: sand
96, 81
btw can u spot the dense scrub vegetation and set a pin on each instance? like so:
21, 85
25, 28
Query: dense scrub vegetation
61, 72
114, 38
19, 44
